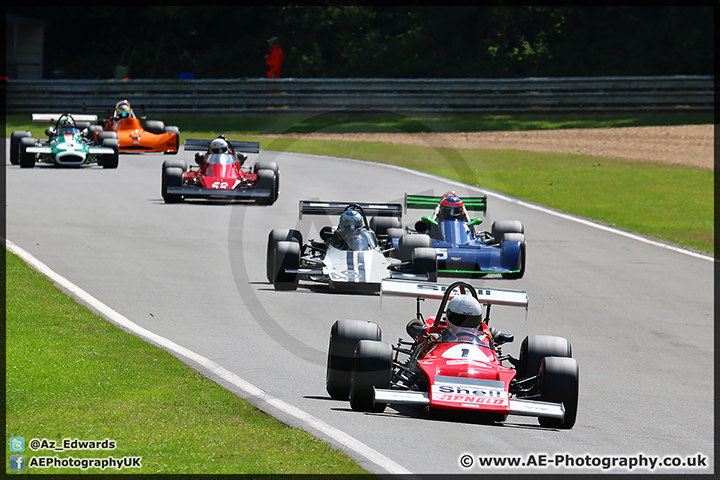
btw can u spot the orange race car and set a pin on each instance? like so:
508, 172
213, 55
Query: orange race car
135, 136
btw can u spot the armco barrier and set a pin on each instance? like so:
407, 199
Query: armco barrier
249, 95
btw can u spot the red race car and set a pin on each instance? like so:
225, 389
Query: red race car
136, 137
454, 362
220, 174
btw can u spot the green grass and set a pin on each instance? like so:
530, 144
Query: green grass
671, 203
71, 374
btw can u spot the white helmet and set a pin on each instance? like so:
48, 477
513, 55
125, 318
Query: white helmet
464, 311
218, 146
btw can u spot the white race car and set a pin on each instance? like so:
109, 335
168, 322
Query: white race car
353, 256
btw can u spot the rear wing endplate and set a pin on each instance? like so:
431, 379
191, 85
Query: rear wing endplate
488, 296
309, 207
54, 117
203, 145
430, 202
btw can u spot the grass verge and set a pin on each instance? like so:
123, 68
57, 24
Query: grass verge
72, 375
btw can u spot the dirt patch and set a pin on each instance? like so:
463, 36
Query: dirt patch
689, 145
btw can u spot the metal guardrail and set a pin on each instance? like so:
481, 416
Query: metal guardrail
525, 95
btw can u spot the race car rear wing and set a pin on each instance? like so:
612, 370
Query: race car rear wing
203, 145
54, 117
487, 296
310, 207
430, 202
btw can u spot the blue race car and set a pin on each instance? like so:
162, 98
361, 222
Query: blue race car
461, 250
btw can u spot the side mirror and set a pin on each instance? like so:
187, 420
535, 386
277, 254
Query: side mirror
428, 219
199, 158
421, 227
50, 131
475, 221
326, 233
415, 328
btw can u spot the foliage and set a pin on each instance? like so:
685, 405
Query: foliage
345, 41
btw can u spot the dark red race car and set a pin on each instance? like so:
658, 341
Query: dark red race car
220, 174
454, 369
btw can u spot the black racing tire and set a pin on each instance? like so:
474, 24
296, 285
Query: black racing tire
501, 227
104, 134
15, 145
559, 383
110, 160
172, 129
536, 347
25, 158
175, 162
265, 165
395, 233
372, 369
172, 177
287, 256
380, 225
520, 265
344, 337
267, 180
93, 130
424, 261
409, 242
275, 236
155, 126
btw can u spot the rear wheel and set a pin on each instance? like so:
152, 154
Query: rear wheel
410, 242
287, 257
559, 383
275, 236
155, 126
372, 369
26, 159
424, 261
536, 347
380, 225
344, 337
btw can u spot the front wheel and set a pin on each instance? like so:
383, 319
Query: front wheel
267, 180
344, 337
26, 159
172, 177
287, 257
424, 261
110, 160
372, 369
559, 383
274, 237
15, 145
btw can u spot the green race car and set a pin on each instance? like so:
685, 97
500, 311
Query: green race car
68, 143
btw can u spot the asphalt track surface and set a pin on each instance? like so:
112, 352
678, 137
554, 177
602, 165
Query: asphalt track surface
639, 316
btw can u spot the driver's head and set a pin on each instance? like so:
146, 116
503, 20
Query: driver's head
463, 313
350, 221
122, 109
451, 207
219, 145
65, 124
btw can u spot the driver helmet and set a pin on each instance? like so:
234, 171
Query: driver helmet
350, 221
65, 124
451, 207
122, 109
463, 314
218, 145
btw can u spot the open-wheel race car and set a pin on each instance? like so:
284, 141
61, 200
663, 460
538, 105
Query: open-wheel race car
68, 144
461, 249
220, 174
354, 256
138, 135
454, 361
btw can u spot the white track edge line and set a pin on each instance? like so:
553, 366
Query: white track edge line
114, 317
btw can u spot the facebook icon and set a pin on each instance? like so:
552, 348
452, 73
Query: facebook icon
17, 462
